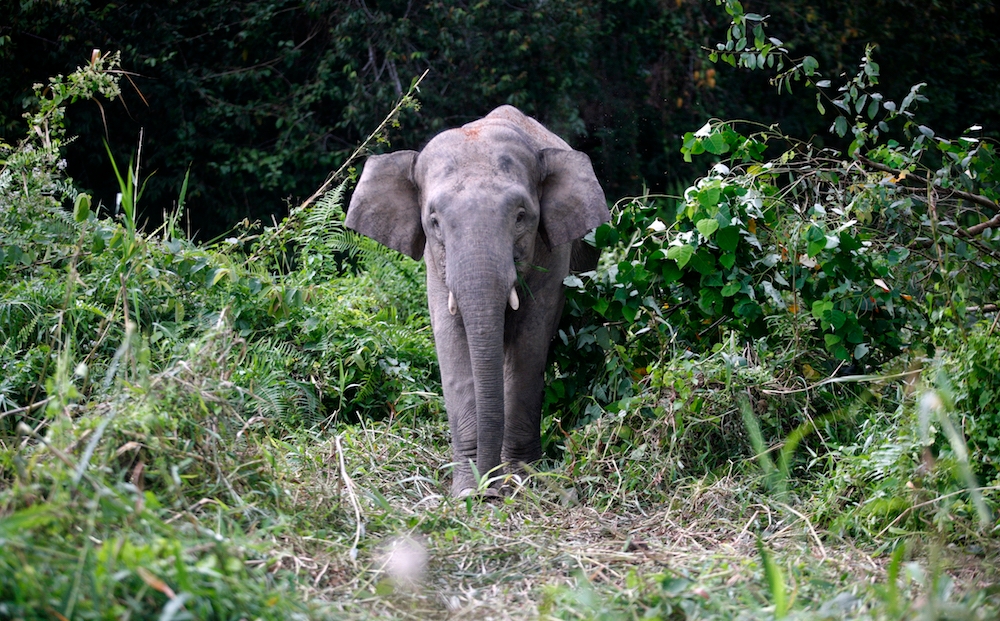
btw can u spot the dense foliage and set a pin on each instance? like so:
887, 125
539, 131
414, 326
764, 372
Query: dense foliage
260, 100
814, 263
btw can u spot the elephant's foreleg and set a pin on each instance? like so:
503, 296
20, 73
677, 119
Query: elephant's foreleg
527, 348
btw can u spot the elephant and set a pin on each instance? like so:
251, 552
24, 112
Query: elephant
497, 209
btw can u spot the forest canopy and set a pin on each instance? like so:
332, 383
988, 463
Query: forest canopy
260, 100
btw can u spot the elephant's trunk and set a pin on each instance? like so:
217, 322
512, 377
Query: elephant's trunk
480, 283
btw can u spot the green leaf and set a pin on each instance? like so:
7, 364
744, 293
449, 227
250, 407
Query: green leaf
817, 240
860, 351
709, 195
814, 248
728, 238
681, 254
837, 319
831, 340
820, 307
860, 103
872, 108
716, 144
670, 272
81, 208
707, 226
897, 255
819, 104
710, 301
732, 288
850, 243
217, 275
840, 126
809, 65
747, 309
775, 581
703, 261
727, 260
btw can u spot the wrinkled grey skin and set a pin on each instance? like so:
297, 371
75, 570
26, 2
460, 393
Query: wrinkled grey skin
497, 209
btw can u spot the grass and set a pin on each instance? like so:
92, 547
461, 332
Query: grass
695, 555
192, 505
189, 506
529, 556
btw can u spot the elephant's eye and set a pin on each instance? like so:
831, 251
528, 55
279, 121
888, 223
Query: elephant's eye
520, 216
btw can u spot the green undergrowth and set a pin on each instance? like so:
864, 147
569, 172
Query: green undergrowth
146, 383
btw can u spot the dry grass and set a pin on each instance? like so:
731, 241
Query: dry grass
533, 554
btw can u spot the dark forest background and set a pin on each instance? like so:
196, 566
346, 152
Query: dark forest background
262, 99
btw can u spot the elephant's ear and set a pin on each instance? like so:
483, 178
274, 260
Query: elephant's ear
572, 201
385, 205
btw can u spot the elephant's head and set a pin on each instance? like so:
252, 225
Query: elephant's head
478, 199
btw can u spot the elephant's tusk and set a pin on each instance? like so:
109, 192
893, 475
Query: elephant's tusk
452, 304
514, 301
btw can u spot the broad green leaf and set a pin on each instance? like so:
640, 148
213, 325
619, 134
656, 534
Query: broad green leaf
850, 243
727, 260
716, 144
836, 319
896, 255
820, 307
840, 126
728, 238
710, 301
809, 65
732, 288
707, 226
872, 108
709, 195
703, 261
81, 208
681, 254
670, 272
831, 340
747, 309
859, 105
815, 234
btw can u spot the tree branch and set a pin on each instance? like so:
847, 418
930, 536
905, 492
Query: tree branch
26, 409
972, 198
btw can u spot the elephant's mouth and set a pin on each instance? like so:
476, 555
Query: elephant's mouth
512, 299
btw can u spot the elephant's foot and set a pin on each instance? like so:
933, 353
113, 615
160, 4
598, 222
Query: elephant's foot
463, 484
489, 493
520, 463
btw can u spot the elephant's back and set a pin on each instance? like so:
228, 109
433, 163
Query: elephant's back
531, 129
